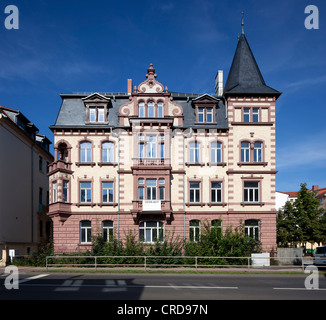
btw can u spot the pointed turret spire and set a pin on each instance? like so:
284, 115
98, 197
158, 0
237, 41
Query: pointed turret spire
244, 76
242, 23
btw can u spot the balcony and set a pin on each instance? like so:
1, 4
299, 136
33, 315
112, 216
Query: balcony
151, 207
61, 166
151, 163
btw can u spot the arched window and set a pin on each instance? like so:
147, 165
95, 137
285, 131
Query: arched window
141, 110
108, 152
216, 152
85, 151
194, 230
150, 109
107, 230
252, 229
151, 231
85, 232
63, 152
245, 151
160, 111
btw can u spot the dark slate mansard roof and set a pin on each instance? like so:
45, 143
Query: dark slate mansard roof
244, 78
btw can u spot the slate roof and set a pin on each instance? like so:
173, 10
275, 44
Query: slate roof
244, 75
72, 112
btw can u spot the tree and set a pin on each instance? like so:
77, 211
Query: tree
287, 228
308, 216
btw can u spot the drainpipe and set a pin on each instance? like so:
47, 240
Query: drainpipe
32, 193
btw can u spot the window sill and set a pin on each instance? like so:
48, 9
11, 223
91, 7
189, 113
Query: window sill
252, 123
252, 204
100, 164
252, 164
96, 122
212, 204
85, 204
213, 164
206, 123
107, 204
79, 164
201, 204
201, 164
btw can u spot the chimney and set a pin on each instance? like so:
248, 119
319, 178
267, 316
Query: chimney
219, 83
129, 86
315, 188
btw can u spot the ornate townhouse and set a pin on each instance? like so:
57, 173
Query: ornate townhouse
156, 162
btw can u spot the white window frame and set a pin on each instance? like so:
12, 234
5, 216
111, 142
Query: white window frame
194, 230
251, 194
216, 152
85, 232
87, 192
107, 230
194, 152
107, 191
194, 192
245, 151
216, 191
108, 152
85, 151
150, 231
258, 151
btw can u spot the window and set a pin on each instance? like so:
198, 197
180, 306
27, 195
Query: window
258, 151
141, 189
252, 229
216, 228
107, 152
151, 146
201, 115
194, 192
100, 115
141, 110
160, 110
65, 191
85, 192
151, 231
107, 230
92, 114
216, 192
251, 115
40, 163
97, 114
85, 152
55, 192
255, 115
194, 230
85, 232
194, 152
246, 114
107, 192
155, 189
209, 115
251, 191
205, 115
245, 152
161, 183
150, 110
216, 152
151, 189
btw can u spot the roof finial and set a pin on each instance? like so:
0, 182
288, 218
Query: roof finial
242, 23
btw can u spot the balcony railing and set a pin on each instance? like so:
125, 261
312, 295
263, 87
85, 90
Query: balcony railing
151, 161
59, 165
152, 205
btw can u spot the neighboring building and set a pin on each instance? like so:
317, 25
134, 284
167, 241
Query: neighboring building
283, 197
24, 184
156, 162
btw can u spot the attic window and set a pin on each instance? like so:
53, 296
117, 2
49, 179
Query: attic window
96, 114
205, 115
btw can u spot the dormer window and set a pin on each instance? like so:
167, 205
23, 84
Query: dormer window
205, 109
150, 110
96, 107
97, 114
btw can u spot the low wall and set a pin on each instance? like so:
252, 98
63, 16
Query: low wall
290, 255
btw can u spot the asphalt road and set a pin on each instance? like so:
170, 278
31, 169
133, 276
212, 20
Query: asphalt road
160, 287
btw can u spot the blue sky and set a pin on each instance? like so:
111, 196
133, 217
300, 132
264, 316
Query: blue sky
67, 46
